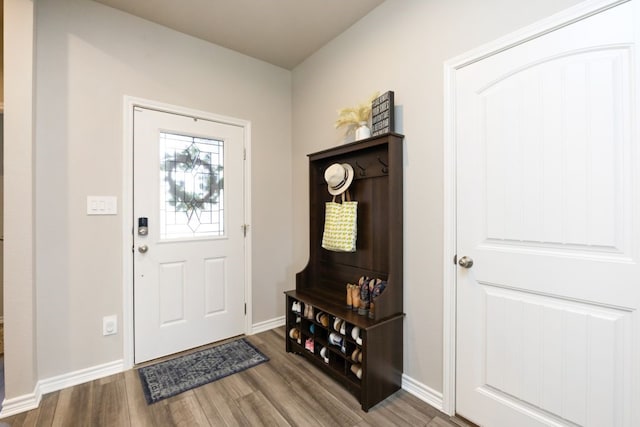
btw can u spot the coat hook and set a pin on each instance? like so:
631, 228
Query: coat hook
385, 168
362, 173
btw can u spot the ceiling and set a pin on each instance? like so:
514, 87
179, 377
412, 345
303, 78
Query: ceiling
281, 32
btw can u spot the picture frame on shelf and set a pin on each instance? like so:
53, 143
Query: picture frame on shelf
382, 114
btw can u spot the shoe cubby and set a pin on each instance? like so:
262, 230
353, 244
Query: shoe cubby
335, 342
320, 297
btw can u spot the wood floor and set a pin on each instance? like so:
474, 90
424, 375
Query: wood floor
285, 391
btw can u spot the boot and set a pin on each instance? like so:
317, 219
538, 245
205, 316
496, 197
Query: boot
355, 297
364, 299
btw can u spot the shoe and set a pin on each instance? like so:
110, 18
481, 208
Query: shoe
308, 311
294, 333
355, 354
365, 298
324, 353
337, 324
324, 320
335, 339
376, 287
357, 370
355, 333
343, 328
308, 344
355, 297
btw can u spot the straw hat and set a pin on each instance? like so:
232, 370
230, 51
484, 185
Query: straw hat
339, 177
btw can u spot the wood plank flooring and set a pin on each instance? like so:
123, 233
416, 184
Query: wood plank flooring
286, 391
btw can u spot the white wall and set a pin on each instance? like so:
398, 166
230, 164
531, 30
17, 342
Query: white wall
401, 46
88, 57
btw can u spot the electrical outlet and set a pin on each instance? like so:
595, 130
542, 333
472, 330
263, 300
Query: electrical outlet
109, 325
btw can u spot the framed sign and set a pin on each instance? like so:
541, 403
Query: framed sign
382, 114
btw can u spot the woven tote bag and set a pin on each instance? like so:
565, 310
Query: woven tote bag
340, 225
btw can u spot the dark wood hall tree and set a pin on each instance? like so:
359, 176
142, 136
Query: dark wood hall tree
377, 187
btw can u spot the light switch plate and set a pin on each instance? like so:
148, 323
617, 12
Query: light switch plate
102, 205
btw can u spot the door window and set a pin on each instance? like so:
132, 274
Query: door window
191, 187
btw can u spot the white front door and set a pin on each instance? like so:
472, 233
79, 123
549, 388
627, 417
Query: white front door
548, 210
189, 261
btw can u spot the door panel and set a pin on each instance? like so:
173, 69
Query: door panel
542, 351
215, 285
188, 184
548, 325
547, 186
171, 293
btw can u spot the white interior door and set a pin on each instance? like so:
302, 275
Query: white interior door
548, 209
189, 262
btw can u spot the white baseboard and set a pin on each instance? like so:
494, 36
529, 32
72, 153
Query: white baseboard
23, 403
266, 325
422, 392
79, 377
27, 402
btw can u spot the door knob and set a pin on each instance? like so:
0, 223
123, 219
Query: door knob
465, 262
144, 248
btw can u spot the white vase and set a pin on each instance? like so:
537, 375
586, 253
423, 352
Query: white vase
362, 131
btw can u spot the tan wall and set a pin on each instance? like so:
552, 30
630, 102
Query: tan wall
19, 289
88, 57
1, 51
1, 156
401, 46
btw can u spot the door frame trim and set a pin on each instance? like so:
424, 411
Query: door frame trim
451, 66
129, 102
